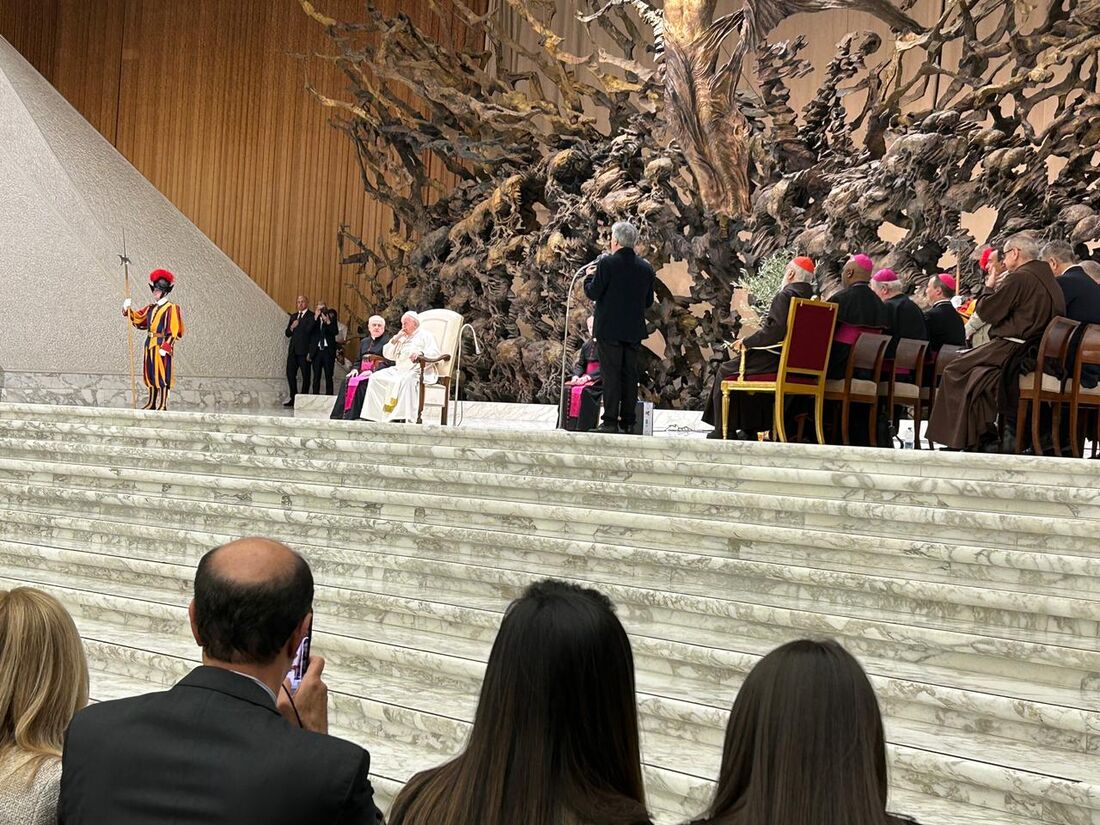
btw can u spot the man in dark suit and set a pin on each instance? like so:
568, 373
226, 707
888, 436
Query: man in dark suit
299, 329
750, 414
942, 320
1081, 292
621, 284
219, 748
326, 328
903, 317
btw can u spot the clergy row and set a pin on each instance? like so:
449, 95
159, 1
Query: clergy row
1026, 286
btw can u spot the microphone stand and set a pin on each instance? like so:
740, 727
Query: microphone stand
565, 339
458, 366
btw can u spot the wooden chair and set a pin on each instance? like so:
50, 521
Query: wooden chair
446, 326
1088, 355
947, 353
803, 362
865, 359
907, 384
1048, 383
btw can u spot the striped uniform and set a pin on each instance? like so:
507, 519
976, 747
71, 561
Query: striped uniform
165, 325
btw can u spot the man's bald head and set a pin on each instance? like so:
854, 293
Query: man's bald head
250, 595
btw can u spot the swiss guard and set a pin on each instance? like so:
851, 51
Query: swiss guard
165, 325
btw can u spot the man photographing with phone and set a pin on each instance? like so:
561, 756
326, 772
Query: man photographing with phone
229, 743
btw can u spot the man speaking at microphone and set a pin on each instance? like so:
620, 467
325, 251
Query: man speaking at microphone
621, 284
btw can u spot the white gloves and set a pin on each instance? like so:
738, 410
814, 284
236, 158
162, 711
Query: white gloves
127, 304
164, 352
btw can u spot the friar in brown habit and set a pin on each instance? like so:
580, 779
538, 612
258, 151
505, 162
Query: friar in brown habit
981, 383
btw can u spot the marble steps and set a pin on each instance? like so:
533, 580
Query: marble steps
559, 447
1045, 656
437, 730
1033, 572
399, 460
555, 448
126, 540
679, 672
504, 501
467, 552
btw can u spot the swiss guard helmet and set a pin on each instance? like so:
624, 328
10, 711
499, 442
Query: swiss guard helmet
161, 279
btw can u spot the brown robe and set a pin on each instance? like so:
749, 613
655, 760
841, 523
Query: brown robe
753, 413
971, 394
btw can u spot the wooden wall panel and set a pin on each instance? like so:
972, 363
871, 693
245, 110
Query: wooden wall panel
208, 99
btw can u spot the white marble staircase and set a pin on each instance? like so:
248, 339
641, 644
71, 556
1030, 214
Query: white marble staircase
966, 584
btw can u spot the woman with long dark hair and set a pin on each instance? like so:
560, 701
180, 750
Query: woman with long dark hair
555, 737
804, 744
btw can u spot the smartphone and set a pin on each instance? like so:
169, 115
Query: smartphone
300, 664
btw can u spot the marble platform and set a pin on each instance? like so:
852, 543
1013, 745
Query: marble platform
496, 415
966, 584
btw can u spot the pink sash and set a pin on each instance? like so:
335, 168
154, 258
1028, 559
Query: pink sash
577, 390
367, 368
849, 333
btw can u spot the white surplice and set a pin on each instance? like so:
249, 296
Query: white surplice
394, 393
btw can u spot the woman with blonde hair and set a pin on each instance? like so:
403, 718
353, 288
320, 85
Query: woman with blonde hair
43, 683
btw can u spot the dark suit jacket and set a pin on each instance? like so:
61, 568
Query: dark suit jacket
213, 750
903, 320
324, 336
945, 326
301, 338
622, 287
1082, 295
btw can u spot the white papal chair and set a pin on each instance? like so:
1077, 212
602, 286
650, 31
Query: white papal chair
446, 327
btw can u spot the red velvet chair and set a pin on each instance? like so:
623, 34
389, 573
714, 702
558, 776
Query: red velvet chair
803, 362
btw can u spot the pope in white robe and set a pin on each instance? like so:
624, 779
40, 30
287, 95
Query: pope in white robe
394, 394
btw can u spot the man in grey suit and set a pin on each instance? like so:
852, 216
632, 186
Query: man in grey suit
228, 744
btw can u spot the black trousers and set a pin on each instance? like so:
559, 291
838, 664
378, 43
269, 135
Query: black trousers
324, 361
294, 363
619, 372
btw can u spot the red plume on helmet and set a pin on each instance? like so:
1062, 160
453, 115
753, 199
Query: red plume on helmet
161, 279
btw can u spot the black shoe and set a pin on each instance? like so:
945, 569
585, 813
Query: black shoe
715, 433
607, 429
289, 403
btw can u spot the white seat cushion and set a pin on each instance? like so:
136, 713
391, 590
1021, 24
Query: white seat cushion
1050, 383
859, 386
908, 392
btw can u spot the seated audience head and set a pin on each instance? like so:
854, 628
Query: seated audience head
857, 270
886, 284
1059, 256
623, 236
410, 322
43, 680
804, 743
799, 270
253, 604
555, 736
1020, 249
940, 288
376, 326
1092, 269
